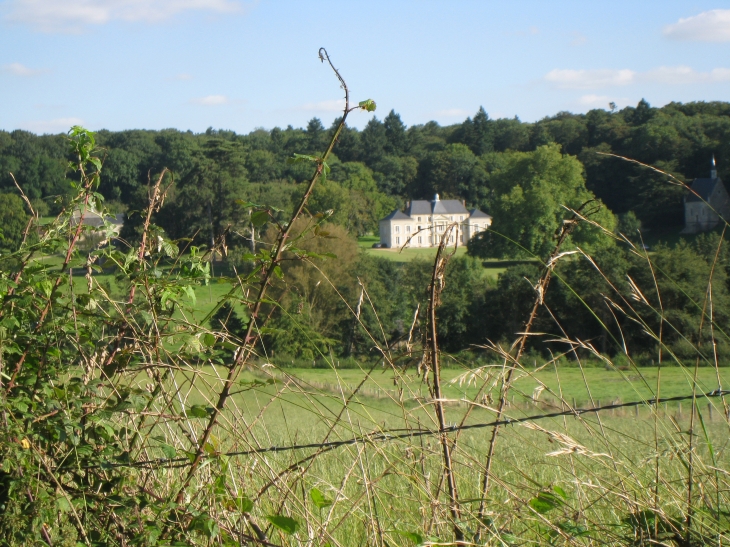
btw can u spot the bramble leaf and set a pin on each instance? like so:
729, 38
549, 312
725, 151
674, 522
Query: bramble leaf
286, 524
318, 498
368, 105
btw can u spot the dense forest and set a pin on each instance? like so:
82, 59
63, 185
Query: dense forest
518, 172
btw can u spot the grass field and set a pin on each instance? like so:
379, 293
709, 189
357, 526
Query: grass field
397, 485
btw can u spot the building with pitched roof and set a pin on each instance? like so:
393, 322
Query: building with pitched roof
706, 203
423, 223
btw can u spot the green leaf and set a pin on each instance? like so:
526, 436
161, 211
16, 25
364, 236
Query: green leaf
259, 218
368, 105
546, 501
560, 492
208, 340
168, 451
298, 158
277, 272
286, 524
318, 498
243, 504
413, 536
198, 411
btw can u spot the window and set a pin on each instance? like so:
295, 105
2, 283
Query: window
451, 218
462, 238
420, 240
461, 218
397, 241
397, 229
451, 239
408, 229
419, 228
419, 219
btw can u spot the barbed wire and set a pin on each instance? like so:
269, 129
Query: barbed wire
398, 433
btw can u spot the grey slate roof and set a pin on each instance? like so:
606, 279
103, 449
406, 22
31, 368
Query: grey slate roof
702, 189
439, 207
397, 215
476, 213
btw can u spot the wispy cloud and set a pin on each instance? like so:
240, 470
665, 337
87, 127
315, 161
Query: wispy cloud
16, 69
602, 78
74, 15
589, 79
708, 26
181, 77
58, 125
211, 100
324, 106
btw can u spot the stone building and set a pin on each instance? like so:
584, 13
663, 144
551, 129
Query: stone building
423, 223
706, 203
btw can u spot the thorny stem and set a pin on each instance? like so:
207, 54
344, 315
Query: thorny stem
541, 289
72, 245
435, 288
279, 247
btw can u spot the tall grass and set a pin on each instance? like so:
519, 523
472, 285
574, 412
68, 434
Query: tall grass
128, 421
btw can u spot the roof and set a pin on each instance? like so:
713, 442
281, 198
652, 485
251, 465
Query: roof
476, 213
438, 207
397, 215
702, 189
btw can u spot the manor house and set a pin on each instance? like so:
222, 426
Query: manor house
423, 223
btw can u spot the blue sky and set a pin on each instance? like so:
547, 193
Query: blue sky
230, 64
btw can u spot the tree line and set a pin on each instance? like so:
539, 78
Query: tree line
521, 173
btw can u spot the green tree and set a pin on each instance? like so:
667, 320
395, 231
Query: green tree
395, 134
13, 220
530, 193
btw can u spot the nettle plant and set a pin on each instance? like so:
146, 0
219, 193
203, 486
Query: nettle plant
88, 373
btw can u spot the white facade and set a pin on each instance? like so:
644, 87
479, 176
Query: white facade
424, 223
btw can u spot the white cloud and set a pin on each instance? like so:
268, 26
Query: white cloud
708, 26
211, 100
602, 78
74, 15
589, 79
337, 105
685, 75
182, 77
59, 125
17, 69
453, 113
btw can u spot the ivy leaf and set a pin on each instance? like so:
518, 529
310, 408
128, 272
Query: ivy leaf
368, 105
259, 218
286, 524
318, 499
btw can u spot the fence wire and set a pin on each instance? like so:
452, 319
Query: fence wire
402, 433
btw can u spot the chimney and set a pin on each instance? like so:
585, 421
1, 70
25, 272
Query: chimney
436, 197
713, 168
463, 202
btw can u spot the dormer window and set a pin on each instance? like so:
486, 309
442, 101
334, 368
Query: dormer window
419, 219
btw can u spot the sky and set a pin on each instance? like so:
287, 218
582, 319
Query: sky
244, 64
